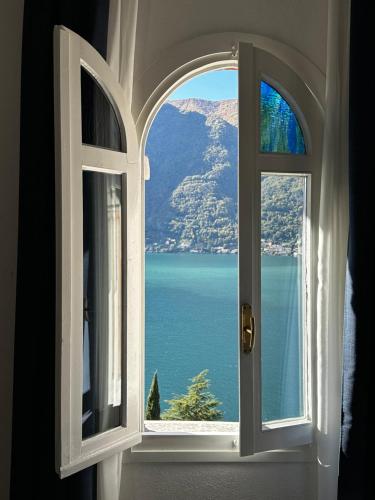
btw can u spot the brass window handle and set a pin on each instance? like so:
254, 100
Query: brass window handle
247, 328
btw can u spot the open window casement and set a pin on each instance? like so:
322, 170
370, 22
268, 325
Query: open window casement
98, 210
280, 137
286, 153
99, 382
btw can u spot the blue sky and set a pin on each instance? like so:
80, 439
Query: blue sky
213, 85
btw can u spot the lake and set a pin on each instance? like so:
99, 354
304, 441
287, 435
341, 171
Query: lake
192, 324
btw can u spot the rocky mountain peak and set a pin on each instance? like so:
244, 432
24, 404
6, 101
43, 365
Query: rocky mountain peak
227, 109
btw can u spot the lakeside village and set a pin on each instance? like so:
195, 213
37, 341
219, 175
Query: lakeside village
267, 248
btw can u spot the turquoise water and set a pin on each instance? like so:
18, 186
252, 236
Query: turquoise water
191, 325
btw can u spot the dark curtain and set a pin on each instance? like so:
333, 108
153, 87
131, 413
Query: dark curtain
355, 478
33, 472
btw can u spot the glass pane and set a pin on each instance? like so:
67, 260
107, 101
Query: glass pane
280, 131
102, 320
100, 126
283, 278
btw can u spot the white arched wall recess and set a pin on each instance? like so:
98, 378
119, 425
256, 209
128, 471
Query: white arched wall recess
302, 85
182, 61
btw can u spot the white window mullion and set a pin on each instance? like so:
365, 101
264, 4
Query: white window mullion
103, 160
285, 163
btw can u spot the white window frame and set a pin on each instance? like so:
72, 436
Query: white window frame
73, 453
257, 441
262, 66
72, 157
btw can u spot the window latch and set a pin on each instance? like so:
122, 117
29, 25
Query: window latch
247, 329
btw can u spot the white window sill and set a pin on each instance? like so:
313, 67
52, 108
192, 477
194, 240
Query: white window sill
176, 441
189, 427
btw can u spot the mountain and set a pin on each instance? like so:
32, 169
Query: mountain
227, 110
191, 198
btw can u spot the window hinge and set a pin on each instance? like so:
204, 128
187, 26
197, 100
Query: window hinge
234, 51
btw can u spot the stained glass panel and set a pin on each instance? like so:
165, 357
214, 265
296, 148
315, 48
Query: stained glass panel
280, 131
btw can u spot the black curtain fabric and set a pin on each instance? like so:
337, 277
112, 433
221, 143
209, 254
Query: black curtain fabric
356, 478
33, 472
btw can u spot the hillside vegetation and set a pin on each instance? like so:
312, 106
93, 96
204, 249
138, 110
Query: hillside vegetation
191, 198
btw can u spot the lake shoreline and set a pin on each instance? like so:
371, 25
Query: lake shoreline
267, 251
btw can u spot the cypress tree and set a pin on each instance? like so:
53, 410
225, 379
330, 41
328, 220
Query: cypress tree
153, 400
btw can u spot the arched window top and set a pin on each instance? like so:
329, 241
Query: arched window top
100, 123
280, 131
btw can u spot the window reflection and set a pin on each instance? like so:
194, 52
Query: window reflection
100, 124
102, 320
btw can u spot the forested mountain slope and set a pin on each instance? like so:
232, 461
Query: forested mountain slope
191, 198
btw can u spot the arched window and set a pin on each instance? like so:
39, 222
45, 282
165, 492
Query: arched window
279, 131
99, 262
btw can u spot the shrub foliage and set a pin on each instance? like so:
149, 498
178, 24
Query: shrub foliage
197, 404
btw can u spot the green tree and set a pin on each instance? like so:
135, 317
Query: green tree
197, 404
153, 400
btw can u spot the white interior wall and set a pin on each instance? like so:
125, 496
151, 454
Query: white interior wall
198, 481
162, 25
10, 57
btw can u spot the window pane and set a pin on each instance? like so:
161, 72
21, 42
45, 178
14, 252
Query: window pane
102, 321
280, 131
100, 126
283, 278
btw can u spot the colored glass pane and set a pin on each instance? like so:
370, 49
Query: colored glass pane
280, 131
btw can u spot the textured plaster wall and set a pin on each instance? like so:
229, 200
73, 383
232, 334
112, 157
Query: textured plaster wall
10, 57
235, 481
298, 23
163, 24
